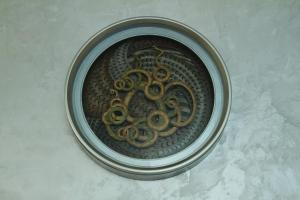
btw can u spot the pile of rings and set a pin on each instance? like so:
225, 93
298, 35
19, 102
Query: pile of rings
163, 121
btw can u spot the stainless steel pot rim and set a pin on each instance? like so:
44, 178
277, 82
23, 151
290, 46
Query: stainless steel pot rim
137, 27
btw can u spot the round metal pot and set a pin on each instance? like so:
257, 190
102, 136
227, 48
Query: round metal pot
170, 155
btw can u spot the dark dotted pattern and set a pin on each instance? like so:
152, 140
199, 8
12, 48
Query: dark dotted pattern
183, 64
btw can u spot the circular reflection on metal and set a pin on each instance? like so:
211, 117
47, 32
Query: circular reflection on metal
148, 97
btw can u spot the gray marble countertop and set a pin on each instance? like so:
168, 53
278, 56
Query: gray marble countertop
258, 156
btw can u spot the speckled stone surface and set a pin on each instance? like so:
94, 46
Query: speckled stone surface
258, 156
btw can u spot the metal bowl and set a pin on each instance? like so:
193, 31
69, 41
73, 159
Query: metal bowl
148, 97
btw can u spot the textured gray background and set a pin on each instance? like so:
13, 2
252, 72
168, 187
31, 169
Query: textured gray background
259, 155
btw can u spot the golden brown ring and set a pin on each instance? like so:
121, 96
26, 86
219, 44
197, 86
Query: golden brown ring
191, 117
119, 84
112, 133
115, 101
157, 96
159, 126
131, 131
152, 137
116, 115
139, 71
